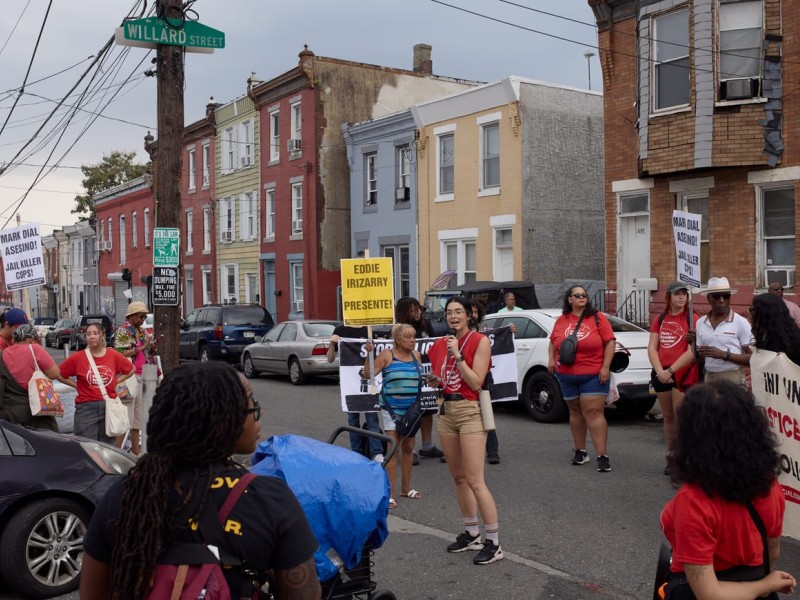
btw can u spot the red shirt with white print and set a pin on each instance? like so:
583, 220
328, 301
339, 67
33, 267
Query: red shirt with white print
111, 364
446, 367
592, 339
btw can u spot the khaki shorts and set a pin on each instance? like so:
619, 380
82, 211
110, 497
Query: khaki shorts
135, 407
736, 376
461, 417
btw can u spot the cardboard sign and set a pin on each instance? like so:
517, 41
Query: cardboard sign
22, 257
686, 228
367, 291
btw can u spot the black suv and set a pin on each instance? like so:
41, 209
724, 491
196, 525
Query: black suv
77, 340
222, 331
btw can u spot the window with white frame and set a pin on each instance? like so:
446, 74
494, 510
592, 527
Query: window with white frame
459, 256
110, 236
371, 179
671, 59
248, 216
206, 165
401, 267
274, 136
777, 235
246, 143
269, 211
192, 170
403, 169
189, 231
226, 224
490, 155
146, 227
206, 285
230, 284
296, 275
206, 230
134, 229
446, 154
103, 231
228, 150
297, 208
296, 122
251, 287
740, 38
122, 240
503, 254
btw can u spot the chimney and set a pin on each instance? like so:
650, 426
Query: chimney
422, 59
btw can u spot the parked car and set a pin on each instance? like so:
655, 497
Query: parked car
43, 325
148, 324
50, 486
58, 335
295, 348
218, 331
78, 338
539, 390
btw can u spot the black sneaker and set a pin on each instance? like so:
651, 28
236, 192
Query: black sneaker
603, 464
434, 452
489, 554
581, 457
493, 459
464, 541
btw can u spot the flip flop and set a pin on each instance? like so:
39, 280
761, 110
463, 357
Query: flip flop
392, 503
413, 494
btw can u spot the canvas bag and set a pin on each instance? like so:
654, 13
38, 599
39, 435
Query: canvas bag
117, 422
42, 394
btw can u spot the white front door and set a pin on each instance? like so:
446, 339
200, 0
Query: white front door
633, 258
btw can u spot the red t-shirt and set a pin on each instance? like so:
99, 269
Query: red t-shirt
19, 361
672, 341
111, 364
449, 372
705, 531
591, 342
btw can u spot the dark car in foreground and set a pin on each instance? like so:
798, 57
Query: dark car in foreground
59, 334
78, 338
222, 331
49, 488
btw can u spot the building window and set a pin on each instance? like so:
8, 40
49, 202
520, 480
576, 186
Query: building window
671, 59
251, 288
228, 150
503, 254
189, 231
226, 228
110, 236
103, 230
192, 172
777, 233
403, 168
269, 211
206, 286
740, 39
134, 230
122, 241
490, 156
229, 282
146, 227
296, 126
206, 165
297, 208
371, 179
296, 274
206, 230
446, 164
401, 268
248, 216
246, 143
274, 136
459, 256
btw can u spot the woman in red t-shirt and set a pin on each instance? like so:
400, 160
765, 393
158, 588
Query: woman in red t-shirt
113, 368
707, 523
584, 383
674, 367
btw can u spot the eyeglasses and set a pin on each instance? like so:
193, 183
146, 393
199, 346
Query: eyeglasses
580, 296
256, 410
777, 289
724, 296
455, 313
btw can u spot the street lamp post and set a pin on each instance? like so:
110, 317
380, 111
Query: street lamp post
589, 54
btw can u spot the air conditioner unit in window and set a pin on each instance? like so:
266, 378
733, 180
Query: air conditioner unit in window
98, 246
293, 145
402, 194
297, 306
297, 226
227, 236
739, 89
244, 161
107, 245
785, 276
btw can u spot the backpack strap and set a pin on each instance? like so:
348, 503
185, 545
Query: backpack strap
234, 496
763, 531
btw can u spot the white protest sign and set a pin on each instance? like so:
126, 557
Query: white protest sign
22, 257
776, 386
686, 228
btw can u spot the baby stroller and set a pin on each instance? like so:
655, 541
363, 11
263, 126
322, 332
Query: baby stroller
346, 500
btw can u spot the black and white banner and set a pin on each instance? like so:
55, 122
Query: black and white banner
355, 390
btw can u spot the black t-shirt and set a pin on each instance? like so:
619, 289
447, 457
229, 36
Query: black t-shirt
266, 529
345, 331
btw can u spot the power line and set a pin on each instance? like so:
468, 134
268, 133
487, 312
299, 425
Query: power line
15, 26
50, 76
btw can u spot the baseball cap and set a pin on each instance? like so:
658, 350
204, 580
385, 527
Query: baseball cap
16, 316
676, 286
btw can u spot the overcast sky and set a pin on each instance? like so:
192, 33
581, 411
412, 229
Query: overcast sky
262, 36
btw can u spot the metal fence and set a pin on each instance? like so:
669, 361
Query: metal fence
633, 308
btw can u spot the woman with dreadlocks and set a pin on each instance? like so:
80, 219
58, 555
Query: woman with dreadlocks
202, 414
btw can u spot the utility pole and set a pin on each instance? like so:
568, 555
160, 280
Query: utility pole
169, 156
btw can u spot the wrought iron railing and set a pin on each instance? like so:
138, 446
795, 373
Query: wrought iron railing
633, 308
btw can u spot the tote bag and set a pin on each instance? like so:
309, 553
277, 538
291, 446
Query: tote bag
117, 422
43, 397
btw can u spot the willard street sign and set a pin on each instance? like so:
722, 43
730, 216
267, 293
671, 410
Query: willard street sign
155, 30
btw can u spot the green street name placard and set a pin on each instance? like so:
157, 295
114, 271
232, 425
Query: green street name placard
165, 247
154, 30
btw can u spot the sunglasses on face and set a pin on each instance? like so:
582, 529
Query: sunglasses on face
580, 296
720, 296
256, 410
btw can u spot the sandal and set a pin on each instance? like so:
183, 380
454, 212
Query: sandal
413, 494
392, 503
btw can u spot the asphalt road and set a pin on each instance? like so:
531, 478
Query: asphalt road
567, 532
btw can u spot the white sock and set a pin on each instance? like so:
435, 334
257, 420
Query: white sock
492, 532
471, 525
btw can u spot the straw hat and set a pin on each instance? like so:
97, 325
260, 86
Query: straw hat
718, 285
135, 308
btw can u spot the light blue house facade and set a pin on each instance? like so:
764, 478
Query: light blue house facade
383, 195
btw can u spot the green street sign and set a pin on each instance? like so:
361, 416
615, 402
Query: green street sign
155, 30
166, 247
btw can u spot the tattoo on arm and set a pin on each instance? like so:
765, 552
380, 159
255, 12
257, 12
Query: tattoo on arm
695, 572
299, 583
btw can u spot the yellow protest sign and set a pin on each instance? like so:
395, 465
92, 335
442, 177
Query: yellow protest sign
367, 291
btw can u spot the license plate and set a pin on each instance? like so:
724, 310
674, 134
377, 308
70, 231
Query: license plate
249, 334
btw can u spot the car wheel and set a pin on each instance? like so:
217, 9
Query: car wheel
541, 396
247, 366
382, 595
635, 407
41, 550
204, 354
296, 375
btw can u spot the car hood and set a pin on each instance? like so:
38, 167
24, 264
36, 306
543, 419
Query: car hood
635, 343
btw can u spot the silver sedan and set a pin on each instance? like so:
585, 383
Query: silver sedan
295, 348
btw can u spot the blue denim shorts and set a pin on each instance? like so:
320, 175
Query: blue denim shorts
575, 386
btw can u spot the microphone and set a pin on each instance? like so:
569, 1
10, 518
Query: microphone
450, 332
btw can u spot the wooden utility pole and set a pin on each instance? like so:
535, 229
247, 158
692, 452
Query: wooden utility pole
169, 157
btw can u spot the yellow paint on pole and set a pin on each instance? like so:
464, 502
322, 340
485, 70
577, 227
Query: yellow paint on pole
367, 291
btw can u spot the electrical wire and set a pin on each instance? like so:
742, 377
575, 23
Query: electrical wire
15, 27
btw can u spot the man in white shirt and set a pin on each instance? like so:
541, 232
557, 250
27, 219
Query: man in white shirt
511, 303
776, 289
723, 336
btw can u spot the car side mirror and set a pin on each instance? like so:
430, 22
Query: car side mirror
184, 326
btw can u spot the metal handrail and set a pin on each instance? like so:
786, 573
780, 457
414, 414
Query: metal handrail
634, 308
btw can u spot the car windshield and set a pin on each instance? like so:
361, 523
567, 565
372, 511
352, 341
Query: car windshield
319, 330
244, 315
